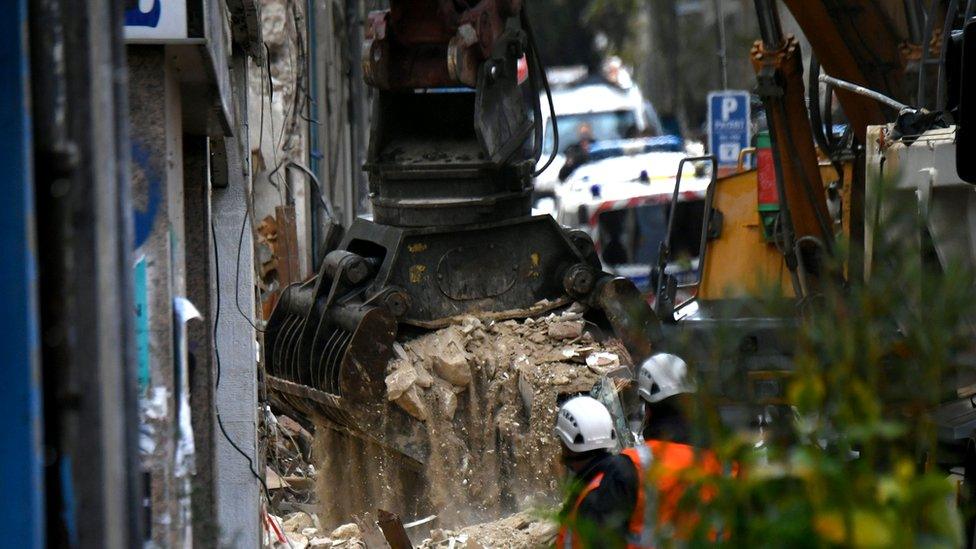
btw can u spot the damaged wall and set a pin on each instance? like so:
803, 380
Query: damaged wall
278, 105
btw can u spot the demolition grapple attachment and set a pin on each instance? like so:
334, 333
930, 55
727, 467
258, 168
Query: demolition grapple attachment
450, 185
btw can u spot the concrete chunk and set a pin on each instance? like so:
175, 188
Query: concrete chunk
446, 399
346, 531
296, 522
400, 381
413, 404
450, 359
566, 330
424, 379
602, 361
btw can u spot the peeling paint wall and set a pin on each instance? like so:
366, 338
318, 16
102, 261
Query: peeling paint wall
278, 107
309, 113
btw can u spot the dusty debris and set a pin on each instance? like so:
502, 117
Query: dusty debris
296, 541
291, 477
296, 522
293, 428
413, 404
446, 399
302, 484
402, 387
346, 531
402, 378
487, 392
273, 480
447, 349
566, 330
521, 530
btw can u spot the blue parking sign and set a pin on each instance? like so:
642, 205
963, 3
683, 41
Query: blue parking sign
728, 125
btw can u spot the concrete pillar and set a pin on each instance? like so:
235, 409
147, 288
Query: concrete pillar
199, 287
236, 447
82, 212
157, 182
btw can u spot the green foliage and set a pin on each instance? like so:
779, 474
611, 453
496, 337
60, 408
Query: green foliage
859, 463
852, 459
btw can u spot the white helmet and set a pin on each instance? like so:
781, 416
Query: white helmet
584, 424
663, 375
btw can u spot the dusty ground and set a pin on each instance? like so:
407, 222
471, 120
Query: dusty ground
521, 530
525, 530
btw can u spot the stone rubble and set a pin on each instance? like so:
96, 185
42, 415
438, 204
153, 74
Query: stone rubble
302, 532
521, 530
487, 393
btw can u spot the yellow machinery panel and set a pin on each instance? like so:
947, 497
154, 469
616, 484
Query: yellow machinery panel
741, 263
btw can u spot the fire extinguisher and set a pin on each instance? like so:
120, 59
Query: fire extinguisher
767, 193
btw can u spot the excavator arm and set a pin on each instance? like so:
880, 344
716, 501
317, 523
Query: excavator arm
858, 41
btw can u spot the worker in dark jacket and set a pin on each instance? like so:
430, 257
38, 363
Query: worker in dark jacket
578, 153
604, 490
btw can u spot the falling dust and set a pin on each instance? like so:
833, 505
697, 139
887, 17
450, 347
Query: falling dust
487, 394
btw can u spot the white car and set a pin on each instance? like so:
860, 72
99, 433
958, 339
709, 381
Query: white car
621, 196
611, 112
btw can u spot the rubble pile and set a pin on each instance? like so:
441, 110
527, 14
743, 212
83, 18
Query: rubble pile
290, 474
521, 530
302, 531
487, 394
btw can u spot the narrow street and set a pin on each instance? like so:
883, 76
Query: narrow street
489, 273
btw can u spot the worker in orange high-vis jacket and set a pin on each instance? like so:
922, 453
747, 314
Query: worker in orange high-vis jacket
668, 455
604, 485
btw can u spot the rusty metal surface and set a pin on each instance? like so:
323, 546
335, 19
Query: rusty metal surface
393, 530
286, 250
432, 43
856, 41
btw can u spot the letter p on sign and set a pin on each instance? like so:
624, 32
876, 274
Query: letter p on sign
729, 106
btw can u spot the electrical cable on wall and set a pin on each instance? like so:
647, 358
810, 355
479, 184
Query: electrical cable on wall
217, 365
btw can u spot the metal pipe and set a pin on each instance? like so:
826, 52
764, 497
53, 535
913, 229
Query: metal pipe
951, 12
723, 56
820, 132
861, 90
926, 39
914, 25
770, 28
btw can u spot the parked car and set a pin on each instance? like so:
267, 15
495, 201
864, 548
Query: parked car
610, 110
621, 196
